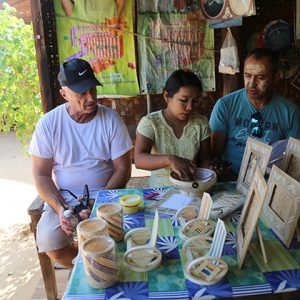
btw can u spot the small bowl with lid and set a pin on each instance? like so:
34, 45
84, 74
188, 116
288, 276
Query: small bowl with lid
130, 203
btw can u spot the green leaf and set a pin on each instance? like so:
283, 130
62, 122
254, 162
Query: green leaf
20, 104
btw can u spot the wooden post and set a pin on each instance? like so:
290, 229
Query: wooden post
48, 272
43, 19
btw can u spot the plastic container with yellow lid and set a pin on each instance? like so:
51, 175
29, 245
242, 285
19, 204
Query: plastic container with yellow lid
130, 203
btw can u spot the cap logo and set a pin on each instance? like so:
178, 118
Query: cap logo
81, 73
78, 75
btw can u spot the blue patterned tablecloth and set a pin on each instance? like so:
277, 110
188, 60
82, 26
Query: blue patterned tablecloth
167, 281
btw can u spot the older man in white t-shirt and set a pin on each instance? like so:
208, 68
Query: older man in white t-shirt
76, 144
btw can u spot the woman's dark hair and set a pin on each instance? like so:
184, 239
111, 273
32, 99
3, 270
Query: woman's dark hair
180, 78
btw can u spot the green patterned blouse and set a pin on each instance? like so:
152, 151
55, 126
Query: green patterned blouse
155, 127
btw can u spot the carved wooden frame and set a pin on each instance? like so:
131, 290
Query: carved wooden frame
254, 149
282, 215
292, 158
250, 214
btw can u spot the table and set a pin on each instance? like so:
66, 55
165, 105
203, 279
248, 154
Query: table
280, 275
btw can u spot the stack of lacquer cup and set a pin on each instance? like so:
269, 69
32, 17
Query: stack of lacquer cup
113, 214
98, 249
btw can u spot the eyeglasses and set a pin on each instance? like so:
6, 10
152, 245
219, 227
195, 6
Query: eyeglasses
85, 200
256, 125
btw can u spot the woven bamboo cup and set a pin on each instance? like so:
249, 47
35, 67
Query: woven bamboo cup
113, 214
90, 228
100, 261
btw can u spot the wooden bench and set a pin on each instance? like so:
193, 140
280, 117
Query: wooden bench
35, 212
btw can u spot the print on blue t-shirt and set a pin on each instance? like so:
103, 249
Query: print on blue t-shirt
232, 115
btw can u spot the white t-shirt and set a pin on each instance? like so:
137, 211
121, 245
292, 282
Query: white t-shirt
82, 153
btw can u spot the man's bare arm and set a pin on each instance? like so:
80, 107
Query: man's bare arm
222, 168
204, 154
42, 175
218, 140
122, 172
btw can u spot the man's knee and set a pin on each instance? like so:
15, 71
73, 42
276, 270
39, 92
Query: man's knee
50, 236
64, 256
55, 255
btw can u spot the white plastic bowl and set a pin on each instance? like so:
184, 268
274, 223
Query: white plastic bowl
204, 179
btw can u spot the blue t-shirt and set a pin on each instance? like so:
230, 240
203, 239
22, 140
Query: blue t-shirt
232, 116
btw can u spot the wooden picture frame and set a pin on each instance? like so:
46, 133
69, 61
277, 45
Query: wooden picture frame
250, 214
256, 154
291, 160
282, 204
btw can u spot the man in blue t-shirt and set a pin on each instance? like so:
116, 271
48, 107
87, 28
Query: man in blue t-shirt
256, 111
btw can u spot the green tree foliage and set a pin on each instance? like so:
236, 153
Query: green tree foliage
20, 104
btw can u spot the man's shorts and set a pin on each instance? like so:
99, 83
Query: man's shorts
49, 235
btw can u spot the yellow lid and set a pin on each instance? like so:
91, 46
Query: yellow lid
130, 200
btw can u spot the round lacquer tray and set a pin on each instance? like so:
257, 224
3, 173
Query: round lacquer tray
142, 258
206, 270
197, 227
141, 254
197, 246
187, 213
137, 237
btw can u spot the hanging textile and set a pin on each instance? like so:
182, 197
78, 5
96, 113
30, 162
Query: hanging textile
101, 33
173, 35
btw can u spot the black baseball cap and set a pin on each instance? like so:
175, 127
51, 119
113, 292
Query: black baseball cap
78, 75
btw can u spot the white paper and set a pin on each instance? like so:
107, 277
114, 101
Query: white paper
176, 202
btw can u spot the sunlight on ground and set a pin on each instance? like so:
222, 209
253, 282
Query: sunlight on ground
19, 265
15, 199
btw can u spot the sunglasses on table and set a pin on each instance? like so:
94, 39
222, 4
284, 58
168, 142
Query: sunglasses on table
256, 125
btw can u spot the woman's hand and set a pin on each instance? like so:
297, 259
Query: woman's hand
183, 167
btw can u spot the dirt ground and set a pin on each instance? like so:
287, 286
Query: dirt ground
19, 266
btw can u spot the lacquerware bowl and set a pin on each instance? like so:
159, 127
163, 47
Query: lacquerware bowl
203, 180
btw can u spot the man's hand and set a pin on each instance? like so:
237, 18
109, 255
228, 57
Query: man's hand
184, 168
223, 170
64, 223
84, 214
